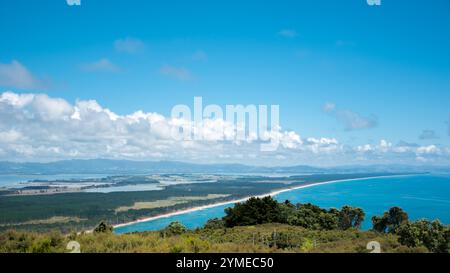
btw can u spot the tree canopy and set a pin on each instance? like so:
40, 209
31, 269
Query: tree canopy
422, 233
103, 227
390, 221
174, 228
267, 210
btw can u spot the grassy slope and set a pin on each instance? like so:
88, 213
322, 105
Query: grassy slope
259, 239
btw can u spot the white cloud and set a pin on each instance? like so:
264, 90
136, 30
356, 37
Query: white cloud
431, 149
288, 33
385, 146
322, 145
10, 136
102, 65
404, 151
129, 45
38, 127
350, 120
178, 73
16, 100
365, 148
17, 75
51, 108
421, 159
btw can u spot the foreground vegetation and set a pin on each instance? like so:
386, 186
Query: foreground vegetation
265, 238
258, 225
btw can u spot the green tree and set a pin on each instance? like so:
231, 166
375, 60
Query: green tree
396, 217
285, 210
253, 212
103, 227
432, 235
379, 224
313, 217
174, 228
214, 223
329, 220
350, 217
390, 221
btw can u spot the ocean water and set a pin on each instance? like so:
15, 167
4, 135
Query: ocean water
422, 196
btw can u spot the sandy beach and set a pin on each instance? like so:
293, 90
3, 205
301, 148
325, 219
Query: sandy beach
273, 193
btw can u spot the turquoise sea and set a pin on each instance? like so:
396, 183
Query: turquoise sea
422, 196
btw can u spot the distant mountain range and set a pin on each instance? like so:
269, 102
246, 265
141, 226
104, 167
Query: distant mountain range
107, 166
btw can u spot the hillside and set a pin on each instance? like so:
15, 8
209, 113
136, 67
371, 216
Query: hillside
266, 238
259, 225
108, 166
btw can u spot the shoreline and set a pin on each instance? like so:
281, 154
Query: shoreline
273, 193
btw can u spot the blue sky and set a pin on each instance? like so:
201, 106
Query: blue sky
386, 66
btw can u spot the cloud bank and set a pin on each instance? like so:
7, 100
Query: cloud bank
36, 127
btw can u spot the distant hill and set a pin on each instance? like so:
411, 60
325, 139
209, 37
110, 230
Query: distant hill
127, 166
108, 166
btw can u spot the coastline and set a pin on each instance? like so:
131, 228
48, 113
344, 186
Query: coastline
273, 193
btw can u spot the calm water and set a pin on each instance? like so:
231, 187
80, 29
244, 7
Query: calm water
421, 196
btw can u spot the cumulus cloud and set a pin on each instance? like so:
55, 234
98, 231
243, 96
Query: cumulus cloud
322, 145
39, 127
10, 136
428, 134
36, 126
17, 75
365, 148
351, 120
288, 33
178, 73
102, 65
129, 45
403, 147
404, 152
431, 149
